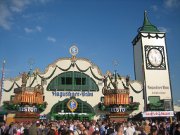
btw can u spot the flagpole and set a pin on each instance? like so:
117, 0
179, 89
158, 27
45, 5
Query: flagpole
2, 80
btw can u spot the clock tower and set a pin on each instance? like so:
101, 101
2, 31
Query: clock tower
152, 68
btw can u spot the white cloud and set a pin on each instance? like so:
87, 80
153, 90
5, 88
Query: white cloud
18, 5
51, 39
9, 8
154, 7
171, 3
163, 29
30, 30
43, 1
39, 28
5, 16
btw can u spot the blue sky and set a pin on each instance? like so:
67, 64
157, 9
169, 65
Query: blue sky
41, 31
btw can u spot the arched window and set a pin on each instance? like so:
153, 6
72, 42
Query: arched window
72, 81
83, 111
83, 107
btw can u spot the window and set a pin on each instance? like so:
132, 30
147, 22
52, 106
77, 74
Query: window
66, 80
63, 80
80, 81
72, 81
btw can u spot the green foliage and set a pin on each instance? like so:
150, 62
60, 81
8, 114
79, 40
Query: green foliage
133, 106
10, 106
14, 107
42, 107
130, 107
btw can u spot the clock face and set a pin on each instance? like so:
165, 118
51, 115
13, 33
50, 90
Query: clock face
155, 57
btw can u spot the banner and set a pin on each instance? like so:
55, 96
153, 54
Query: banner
158, 114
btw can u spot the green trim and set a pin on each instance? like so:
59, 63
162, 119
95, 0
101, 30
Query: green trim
69, 68
100, 79
81, 69
48, 76
33, 81
14, 83
147, 26
135, 89
65, 69
148, 35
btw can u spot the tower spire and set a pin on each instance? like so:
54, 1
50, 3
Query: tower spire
146, 20
147, 26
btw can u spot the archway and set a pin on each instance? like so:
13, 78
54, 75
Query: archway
83, 110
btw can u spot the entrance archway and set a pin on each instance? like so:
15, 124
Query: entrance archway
61, 110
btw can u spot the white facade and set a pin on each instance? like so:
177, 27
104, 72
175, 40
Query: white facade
156, 79
65, 65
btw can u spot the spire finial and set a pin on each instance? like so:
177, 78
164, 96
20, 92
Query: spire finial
147, 26
146, 20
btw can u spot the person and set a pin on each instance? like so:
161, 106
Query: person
56, 130
1, 130
92, 127
172, 127
26, 130
96, 132
12, 129
85, 132
153, 130
177, 131
33, 129
146, 127
69, 132
79, 130
162, 130
102, 128
129, 130
110, 129
118, 129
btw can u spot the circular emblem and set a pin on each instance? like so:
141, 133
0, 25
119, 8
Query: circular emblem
73, 50
72, 105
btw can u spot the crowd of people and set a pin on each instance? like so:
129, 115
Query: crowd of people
94, 127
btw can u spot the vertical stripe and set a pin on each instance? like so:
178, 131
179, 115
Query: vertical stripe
123, 99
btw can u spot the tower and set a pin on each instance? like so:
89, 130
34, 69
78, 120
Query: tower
152, 68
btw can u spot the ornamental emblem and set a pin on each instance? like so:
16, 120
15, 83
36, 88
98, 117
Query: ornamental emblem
72, 105
73, 50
